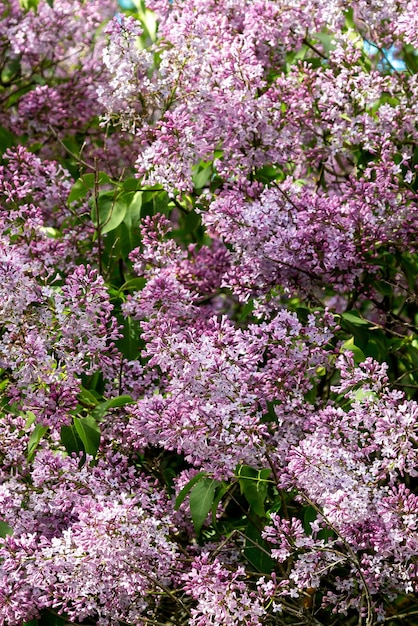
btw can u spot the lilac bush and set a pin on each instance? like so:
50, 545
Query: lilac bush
208, 312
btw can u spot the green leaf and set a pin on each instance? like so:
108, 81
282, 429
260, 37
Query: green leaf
354, 318
119, 401
85, 185
78, 191
7, 139
384, 287
89, 433
108, 211
220, 492
86, 397
201, 499
246, 311
70, 440
30, 418
254, 485
155, 201
358, 354
410, 270
202, 176
27, 5
113, 403
190, 222
10, 71
129, 343
267, 173
121, 241
5, 529
51, 619
134, 208
36, 436
131, 184
310, 515
183, 493
134, 284
256, 550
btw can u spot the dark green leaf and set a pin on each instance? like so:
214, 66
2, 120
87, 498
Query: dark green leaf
183, 493
86, 184
254, 484
310, 515
7, 139
256, 550
70, 440
103, 407
135, 284
384, 287
5, 529
131, 184
89, 433
201, 499
36, 436
358, 354
86, 397
121, 241
51, 619
108, 211
219, 494
129, 343
354, 318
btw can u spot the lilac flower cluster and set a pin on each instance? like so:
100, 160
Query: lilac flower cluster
224, 98
208, 321
351, 464
90, 542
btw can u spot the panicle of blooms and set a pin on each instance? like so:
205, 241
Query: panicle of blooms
221, 594
369, 375
18, 289
50, 335
406, 24
295, 236
88, 328
156, 249
178, 280
54, 31
209, 57
93, 542
209, 406
312, 559
285, 236
383, 23
219, 63
14, 441
35, 215
52, 55
28, 179
62, 109
351, 464
131, 94
216, 379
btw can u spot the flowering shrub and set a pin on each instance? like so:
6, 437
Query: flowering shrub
208, 312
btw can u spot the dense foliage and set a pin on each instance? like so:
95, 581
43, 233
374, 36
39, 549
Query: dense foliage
208, 309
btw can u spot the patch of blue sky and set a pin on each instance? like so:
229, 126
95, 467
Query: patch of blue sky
389, 60
126, 4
